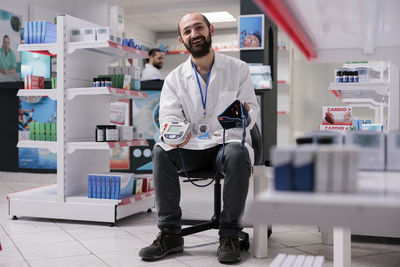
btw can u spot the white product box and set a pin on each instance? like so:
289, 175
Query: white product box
372, 148
338, 156
350, 163
335, 128
76, 35
111, 70
337, 115
323, 169
89, 34
117, 113
103, 34
125, 133
118, 37
393, 151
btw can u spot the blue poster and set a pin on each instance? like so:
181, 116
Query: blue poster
251, 30
145, 113
35, 109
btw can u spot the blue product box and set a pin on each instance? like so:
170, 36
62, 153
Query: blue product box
26, 31
98, 186
282, 162
112, 194
117, 187
303, 168
94, 188
103, 187
360, 123
89, 186
108, 187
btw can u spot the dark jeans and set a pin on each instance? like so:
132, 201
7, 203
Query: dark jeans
237, 168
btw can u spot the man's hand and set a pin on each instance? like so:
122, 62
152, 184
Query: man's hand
186, 140
181, 144
4, 71
246, 106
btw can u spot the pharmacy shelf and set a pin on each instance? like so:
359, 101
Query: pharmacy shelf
51, 146
51, 93
47, 49
42, 202
107, 48
72, 146
379, 88
82, 198
118, 92
43, 193
361, 212
221, 50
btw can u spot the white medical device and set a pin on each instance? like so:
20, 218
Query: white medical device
175, 133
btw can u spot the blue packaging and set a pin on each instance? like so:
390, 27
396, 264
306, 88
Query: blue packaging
303, 168
131, 43
282, 162
108, 187
89, 186
94, 188
117, 186
26, 30
360, 123
125, 42
367, 121
112, 195
98, 186
103, 187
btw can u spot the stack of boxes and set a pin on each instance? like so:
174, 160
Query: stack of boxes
33, 82
336, 118
36, 32
308, 168
117, 186
43, 131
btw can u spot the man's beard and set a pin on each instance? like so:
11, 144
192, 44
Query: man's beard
199, 51
157, 65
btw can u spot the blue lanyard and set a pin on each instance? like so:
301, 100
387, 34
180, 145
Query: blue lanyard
203, 99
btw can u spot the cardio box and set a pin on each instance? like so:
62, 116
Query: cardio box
335, 128
337, 115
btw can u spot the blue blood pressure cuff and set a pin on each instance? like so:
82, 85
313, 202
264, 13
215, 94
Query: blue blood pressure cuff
234, 116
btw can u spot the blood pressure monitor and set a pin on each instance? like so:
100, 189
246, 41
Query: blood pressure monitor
175, 133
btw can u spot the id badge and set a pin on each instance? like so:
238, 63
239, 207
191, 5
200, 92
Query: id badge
204, 131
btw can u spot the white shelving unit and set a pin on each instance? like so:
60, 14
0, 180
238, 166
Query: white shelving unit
373, 95
79, 110
284, 99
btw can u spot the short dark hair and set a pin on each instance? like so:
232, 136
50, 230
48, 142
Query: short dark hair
154, 51
204, 18
5, 36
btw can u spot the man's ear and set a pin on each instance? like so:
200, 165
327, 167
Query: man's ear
180, 39
212, 30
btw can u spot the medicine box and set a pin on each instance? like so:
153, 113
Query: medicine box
125, 133
89, 34
372, 148
103, 33
282, 162
303, 168
76, 35
332, 115
335, 128
393, 151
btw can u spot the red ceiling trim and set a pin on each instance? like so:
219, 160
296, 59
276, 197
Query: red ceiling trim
280, 14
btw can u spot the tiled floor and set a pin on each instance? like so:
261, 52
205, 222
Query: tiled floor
44, 242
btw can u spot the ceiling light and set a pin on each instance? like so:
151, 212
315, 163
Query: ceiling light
222, 16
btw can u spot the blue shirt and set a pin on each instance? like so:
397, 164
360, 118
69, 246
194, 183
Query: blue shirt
7, 62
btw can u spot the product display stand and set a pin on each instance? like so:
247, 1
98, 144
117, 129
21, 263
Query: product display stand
79, 109
361, 212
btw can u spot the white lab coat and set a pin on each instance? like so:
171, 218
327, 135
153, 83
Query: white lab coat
151, 73
181, 100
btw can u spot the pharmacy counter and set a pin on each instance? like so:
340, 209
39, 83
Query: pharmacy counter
378, 197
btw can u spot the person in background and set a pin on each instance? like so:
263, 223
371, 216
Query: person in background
7, 58
196, 92
152, 69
